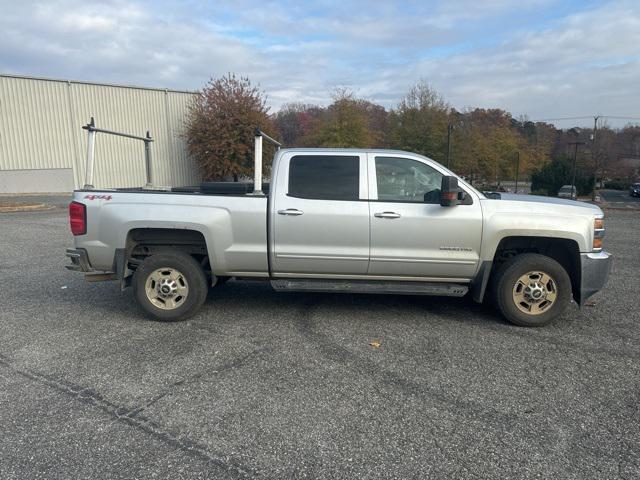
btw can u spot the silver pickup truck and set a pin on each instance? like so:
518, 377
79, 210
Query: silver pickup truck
343, 220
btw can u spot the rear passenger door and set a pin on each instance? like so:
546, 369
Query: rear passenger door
320, 216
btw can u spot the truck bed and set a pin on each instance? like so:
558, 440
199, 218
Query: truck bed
232, 223
205, 188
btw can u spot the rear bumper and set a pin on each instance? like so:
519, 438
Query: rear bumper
79, 260
595, 269
80, 263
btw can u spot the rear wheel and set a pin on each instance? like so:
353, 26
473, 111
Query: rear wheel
170, 286
532, 290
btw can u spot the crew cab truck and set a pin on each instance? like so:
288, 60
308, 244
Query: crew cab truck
343, 220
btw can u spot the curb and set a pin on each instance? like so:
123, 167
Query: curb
624, 209
609, 206
29, 207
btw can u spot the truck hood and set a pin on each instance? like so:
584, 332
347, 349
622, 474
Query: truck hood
549, 200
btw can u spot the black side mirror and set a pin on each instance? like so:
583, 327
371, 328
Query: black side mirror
449, 191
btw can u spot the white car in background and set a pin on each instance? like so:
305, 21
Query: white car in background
567, 191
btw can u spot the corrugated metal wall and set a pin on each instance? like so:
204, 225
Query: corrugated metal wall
41, 120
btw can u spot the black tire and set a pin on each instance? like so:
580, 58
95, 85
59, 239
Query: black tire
507, 277
191, 274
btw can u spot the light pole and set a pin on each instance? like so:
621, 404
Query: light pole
595, 157
573, 178
454, 119
449, 130
517, 168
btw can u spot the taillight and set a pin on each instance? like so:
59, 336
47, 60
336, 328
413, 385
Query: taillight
78, 218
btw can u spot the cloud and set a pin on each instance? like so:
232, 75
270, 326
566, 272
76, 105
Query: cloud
116, 42
585, 64
544, 58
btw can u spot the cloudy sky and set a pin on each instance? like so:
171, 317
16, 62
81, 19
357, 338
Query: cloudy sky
540, 58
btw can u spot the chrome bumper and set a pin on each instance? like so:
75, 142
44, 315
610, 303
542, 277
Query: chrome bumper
79, 260
595, 269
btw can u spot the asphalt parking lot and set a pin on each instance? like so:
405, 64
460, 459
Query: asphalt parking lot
619, 199
271, 385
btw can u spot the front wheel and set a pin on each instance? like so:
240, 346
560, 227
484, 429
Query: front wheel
532, 290
170, 286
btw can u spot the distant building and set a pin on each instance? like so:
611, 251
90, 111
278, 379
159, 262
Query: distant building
43, 147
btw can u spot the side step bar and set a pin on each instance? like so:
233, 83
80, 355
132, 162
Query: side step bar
367, 286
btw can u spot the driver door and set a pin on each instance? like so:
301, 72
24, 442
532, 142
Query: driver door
411, 234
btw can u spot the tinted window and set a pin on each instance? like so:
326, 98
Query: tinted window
324, 177
406, 180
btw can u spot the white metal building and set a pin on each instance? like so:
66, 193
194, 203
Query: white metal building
43, 147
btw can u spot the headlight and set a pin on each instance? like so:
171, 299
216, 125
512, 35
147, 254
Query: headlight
598, 233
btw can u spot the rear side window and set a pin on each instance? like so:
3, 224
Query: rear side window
324, 177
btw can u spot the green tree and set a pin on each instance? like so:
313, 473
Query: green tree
487, 143
345, 124
559, 172
377, 119
419, 122
220, 127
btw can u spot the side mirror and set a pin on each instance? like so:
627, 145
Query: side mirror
449, 191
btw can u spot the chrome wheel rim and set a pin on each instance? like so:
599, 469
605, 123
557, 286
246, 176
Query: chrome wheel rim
535, 292
167, 288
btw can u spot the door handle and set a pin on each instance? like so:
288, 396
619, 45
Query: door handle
290, 211
387, 215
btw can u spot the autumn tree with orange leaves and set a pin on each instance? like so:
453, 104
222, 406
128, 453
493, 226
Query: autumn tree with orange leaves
220, 127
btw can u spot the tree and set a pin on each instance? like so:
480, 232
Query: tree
344, 124
221, 124
347, 122
377, 122
550, 178
419, 122
487, 144
295, 121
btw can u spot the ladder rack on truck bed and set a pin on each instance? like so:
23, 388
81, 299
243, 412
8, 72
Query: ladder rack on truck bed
205, 188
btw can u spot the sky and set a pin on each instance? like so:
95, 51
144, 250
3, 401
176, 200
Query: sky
543, 59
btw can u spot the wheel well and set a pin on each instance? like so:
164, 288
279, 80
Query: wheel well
566, 252
142, 242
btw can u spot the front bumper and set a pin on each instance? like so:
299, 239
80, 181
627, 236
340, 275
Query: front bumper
595, 269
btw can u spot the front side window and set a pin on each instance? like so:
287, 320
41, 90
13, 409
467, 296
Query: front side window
324, 177
406, 180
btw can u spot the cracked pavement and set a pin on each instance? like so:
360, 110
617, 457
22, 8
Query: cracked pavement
285, 385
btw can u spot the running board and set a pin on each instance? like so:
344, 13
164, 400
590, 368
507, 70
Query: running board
367, 286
